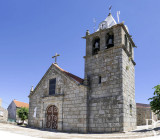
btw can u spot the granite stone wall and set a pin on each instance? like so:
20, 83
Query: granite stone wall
110, 100
105, 103
144, 113
70, 99
128, 73
129, 108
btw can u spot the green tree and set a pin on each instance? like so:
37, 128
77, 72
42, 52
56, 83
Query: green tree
23, 113
155, 100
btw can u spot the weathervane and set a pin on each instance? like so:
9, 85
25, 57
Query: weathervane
94, 21
55, 58
110, 9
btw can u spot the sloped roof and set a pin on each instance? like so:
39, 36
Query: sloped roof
141, 105
74, 77
70, 75
107, 23
110, 20
20, 104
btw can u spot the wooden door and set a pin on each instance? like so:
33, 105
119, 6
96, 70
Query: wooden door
52, 117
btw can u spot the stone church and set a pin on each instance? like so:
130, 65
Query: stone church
104, 101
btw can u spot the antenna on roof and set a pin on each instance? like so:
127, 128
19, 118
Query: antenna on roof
118, 13
94, 21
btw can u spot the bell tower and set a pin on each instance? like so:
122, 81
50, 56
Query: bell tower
110, 77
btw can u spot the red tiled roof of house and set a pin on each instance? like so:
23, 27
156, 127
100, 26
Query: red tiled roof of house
76, 78
141, 105
21, 104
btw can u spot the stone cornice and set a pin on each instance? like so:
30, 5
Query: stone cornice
108, 29
128, 54
105, 50
52, 96
112, 48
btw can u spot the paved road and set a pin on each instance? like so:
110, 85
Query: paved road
7, 135
17, 132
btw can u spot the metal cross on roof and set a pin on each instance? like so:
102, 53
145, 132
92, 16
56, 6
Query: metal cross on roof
55, 58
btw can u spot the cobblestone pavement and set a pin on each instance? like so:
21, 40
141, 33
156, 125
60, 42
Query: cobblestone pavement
141, 132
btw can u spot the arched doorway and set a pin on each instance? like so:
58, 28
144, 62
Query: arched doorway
52, 117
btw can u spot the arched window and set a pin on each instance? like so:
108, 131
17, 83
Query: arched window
96, 46
110, 40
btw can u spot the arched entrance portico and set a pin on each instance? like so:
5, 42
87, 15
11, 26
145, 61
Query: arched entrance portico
52, 117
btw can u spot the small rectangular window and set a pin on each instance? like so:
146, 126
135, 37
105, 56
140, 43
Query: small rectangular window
100, 78
130, 109
52, 86
126, 40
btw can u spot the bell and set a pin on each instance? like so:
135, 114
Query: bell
96, 45
110, 42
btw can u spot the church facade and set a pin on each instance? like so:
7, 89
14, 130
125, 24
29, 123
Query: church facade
104, 101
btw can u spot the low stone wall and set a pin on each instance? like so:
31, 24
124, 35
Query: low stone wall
143, 114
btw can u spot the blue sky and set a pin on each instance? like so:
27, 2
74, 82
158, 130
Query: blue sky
32, 31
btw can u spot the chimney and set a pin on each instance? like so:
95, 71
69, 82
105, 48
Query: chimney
0, 102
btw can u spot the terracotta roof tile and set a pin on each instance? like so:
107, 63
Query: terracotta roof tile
76, 78
21, 104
